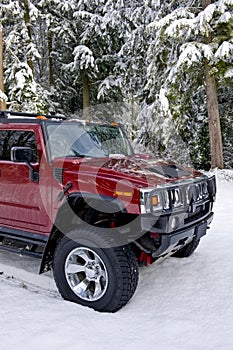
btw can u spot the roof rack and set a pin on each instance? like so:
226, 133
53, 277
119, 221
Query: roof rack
7, 114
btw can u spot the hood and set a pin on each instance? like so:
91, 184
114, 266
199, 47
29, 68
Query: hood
149, 171
140, 170
117, 177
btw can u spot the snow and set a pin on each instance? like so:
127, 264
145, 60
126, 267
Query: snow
189, 55
180, 26
224, 50
225, 17
83, 54
3, 97
207, 51
163, 99
180, 304
229, 73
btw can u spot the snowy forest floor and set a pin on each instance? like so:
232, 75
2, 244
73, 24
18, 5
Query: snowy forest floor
180, 304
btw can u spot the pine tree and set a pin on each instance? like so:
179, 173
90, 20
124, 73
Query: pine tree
96, 54
23, 92
180, 53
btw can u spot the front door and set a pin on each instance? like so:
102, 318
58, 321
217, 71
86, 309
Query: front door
22, 201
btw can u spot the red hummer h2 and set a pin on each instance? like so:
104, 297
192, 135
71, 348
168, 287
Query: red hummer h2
74, 194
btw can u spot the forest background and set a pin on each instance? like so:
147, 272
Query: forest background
162, 68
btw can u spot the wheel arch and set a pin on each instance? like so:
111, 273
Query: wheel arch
67, 218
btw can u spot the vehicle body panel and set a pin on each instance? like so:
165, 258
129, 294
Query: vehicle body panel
25, 204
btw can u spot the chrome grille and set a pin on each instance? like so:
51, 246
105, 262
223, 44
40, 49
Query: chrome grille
197, 192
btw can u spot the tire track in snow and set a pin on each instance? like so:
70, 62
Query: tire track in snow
11, 280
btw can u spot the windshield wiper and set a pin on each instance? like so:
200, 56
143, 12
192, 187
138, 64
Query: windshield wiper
77, 154
87, 155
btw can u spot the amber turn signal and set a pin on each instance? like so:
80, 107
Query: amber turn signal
125, 194
41, 117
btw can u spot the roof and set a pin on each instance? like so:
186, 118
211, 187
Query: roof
7, 115
26, 117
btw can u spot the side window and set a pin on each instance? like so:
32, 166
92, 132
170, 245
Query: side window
21, 138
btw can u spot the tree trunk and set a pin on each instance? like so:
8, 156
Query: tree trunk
2, 102
29, 30
214, 120
86, 96
50, 48
216, 148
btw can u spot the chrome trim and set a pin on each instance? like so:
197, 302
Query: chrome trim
86, 274
190, 191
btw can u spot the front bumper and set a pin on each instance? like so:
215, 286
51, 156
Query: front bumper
174, 241
174, 221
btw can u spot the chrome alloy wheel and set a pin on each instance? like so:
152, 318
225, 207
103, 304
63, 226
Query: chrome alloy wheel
86, 274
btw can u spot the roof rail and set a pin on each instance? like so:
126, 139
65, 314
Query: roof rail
7, 114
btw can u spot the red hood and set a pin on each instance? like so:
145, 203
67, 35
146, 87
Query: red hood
119, 177
141, 171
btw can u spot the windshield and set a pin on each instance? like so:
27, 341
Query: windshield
75, 140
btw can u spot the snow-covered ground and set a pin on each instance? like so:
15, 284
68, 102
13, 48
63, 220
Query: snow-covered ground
180, 304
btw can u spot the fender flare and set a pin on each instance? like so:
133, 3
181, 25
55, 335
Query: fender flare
60, 227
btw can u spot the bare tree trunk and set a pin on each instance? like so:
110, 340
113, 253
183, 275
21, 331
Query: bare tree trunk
214, 120
86, 96
2, 102
216, 148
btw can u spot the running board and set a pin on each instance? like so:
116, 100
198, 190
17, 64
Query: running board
20, 251
22, 242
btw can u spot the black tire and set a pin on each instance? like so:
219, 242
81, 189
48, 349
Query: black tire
107, 286
187, 250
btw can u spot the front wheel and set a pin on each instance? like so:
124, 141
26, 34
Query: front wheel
88, 273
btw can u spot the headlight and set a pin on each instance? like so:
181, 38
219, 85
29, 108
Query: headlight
150, 201
197, 192
161, 199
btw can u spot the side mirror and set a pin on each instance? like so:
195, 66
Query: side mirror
21, 154
25, 155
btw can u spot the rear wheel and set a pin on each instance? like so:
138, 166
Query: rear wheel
89, 273
187, 250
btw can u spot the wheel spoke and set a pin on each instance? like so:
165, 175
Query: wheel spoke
74, 268
103, 274
81, 288
84, 255
98, 289
96, 259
